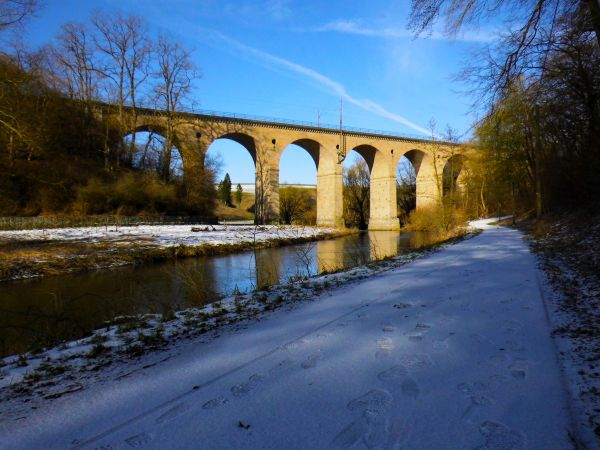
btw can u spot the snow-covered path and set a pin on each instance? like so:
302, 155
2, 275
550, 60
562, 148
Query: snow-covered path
450, 351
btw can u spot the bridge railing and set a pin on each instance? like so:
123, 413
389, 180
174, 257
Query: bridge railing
277, 120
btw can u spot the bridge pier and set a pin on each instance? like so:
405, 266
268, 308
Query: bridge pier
429, 188
384, 211
266, 183
330, 192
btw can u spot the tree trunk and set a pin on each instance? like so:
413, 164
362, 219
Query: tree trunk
537, 149
11, 150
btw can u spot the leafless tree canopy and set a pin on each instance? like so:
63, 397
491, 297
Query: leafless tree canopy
532, 26
13, 12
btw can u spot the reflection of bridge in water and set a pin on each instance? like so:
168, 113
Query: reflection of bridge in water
339, 254
279, 265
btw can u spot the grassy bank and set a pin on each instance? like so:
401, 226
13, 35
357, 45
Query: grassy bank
35, 258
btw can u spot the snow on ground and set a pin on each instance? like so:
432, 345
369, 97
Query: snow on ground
168, 235
568, 253
450, 351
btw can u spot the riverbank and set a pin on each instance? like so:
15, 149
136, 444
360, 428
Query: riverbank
122, 342
568, 248
452, 350
35, 253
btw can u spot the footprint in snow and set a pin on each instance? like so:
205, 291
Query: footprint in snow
476, 401
518, 368
311, 361
394, 373
470, 388
138, 440
500, 437
416, 361
498, 360
372, 427
281, 367
387, 327
351, 434
397, 434
324, 335
415, 337
376, 401
215, 403
173, 412
511, 326
241, 389
376, 432
399, 374
295, 345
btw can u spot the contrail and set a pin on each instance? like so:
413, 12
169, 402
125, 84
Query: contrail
353, 27
331, 85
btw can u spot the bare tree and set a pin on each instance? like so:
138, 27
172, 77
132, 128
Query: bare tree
13, 12
357, 182
523, 49
293, 204
75, 58
533, 14
175, 74
123, 42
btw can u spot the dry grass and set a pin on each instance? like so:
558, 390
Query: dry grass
238, 212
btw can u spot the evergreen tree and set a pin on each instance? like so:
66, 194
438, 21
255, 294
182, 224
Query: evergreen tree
225, 190
238, 194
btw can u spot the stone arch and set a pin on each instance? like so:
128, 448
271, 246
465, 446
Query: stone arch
314, 149
406, 183
266, 184
160, 130
453, 169
244, 139
426, 181
382, 211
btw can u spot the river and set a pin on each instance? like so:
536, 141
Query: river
42, 312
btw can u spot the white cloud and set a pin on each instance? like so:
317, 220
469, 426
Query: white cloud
355, 27
279, 9
330, 85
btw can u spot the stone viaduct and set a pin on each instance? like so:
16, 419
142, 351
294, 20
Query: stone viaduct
266, 140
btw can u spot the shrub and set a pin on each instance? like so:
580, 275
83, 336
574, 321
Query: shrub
438, 218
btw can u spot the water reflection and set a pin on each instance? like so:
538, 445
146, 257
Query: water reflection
37, 313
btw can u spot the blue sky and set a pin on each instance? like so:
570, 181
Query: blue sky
296, 59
